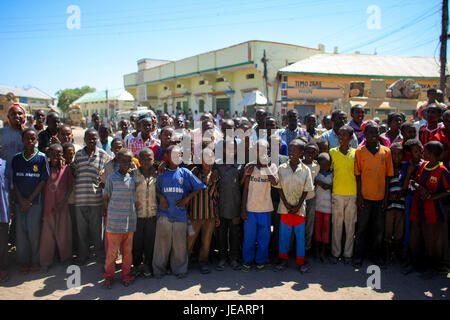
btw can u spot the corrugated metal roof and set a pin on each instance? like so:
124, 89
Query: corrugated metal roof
29, 93
366, 65
114, 94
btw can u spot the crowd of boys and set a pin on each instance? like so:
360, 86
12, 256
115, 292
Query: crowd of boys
344, 190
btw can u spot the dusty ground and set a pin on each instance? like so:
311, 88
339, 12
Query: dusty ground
322, 281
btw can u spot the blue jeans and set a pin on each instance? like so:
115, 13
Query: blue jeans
28, 232
256, 229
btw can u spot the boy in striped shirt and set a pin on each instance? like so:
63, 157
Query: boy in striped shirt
89, 163
119, 205
204, 211
396, 206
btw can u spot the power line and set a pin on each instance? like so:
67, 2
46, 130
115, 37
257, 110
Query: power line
201, 11
163, 29
410, 23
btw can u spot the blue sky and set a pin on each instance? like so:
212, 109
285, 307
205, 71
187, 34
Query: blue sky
39, 50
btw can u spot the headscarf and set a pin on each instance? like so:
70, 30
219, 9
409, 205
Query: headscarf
16, 105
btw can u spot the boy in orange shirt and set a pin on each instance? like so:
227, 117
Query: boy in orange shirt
373, 167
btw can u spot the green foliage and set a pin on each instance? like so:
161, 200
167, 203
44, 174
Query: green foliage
67, 96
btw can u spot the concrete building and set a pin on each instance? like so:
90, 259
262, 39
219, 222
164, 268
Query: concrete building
214, 80
105, 102
32, 98
321, 82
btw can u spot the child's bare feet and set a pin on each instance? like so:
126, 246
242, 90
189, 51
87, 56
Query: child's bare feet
107, 284
127, 283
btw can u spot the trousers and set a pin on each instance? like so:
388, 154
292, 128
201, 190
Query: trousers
170, 246
124, 241
288, 223
344, 214
206, 228
28, 232
256, 229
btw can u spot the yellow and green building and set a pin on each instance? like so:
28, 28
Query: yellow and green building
213, 80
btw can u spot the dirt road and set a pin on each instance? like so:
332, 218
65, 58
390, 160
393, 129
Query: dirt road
322, 281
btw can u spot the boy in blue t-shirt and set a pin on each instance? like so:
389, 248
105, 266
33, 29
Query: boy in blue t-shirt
30, 170
174, 189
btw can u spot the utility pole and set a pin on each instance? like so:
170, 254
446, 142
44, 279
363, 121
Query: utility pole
444, 37
107, 104
264, 60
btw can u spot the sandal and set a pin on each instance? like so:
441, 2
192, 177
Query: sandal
280, 267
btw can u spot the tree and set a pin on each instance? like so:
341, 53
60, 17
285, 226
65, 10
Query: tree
67, 96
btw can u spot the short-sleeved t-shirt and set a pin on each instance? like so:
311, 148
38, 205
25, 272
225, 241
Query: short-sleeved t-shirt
293, 185
175, 185
373, 170
28, 173
259, 186
435, 180
120, 189
343, 166
87, 170
323, 197
333, 140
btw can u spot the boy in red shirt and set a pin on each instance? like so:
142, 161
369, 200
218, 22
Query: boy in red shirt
432, 183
